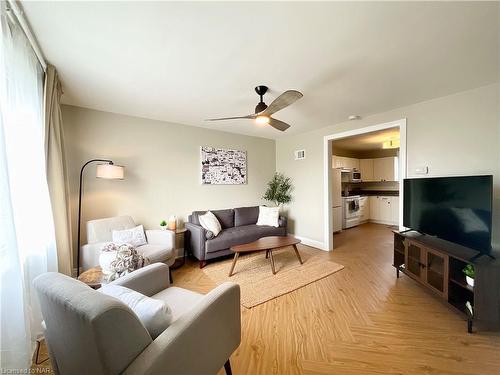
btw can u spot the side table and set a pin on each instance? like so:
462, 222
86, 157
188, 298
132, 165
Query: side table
93, 277
180, 232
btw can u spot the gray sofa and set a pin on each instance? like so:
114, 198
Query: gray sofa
238, 227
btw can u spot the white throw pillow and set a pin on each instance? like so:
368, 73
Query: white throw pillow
133, 236
210, 222
269, 216
155, 314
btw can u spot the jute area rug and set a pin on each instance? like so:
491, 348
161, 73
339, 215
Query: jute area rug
257, 282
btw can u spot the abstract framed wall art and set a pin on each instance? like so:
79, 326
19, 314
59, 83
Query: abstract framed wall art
221, 166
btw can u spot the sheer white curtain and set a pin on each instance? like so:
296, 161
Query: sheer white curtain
27, 242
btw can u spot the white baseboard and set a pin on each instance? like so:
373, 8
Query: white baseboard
382, 222
312, 243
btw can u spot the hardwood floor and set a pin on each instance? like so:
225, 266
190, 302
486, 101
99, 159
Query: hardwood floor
362, 320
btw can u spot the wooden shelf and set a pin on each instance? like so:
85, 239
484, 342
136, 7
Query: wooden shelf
458, 305
463, 284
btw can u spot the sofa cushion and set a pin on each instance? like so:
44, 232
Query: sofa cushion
100, 230
241, 235
133, 236
179, 300
269, 216
245, 215
155, 253
225, 217
155, 314
210, 222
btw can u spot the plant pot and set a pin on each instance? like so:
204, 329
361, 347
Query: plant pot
470, 280
105, 259
163, 227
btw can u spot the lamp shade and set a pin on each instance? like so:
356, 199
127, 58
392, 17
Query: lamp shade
110, 171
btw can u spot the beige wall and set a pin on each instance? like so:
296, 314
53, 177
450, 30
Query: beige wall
454, 135
162, 163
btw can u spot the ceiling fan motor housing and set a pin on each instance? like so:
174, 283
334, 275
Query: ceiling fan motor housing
260, 107
261, 90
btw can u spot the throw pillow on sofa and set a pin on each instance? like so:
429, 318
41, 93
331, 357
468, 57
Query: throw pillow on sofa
154, 314
269, 216
209, 222
133, 236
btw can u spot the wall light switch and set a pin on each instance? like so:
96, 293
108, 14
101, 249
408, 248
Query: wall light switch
421, 170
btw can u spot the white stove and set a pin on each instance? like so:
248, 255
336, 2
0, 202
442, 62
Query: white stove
350, 211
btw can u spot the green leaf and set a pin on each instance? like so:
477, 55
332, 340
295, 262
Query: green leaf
469, 270
279, 189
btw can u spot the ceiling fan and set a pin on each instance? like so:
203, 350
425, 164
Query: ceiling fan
263, 112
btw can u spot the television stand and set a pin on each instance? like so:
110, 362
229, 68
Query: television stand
477, 256
438, 265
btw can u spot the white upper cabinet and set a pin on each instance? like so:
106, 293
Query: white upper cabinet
352, 163
385, 169
337, 161
344, 162
366, 169
380, 169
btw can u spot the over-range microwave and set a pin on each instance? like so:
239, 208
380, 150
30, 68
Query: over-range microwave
355, 176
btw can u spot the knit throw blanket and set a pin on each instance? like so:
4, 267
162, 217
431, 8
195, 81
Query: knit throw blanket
127, 260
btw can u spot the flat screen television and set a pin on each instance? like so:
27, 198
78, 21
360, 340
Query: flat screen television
456, 209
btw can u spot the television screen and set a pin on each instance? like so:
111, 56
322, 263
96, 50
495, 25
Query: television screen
456, 209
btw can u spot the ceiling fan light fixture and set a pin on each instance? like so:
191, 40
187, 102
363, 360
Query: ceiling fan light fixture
393, 143
262, 120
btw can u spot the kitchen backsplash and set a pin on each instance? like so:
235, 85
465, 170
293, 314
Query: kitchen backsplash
381, 186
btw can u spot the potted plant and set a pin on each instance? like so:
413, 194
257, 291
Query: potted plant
469, 274
279, 190
163, 224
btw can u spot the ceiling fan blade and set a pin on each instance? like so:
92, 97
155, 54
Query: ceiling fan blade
283, 101
277, 124
231, 118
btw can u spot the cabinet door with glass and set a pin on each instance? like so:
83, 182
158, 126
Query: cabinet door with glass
414, 257
436, 271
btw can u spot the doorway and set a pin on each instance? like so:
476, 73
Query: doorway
329, 170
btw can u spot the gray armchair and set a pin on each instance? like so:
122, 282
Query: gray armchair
160, 246
88, 332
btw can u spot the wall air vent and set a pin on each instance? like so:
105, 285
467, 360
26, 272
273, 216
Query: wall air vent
300, 154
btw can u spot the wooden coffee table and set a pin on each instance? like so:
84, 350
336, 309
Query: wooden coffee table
268, 244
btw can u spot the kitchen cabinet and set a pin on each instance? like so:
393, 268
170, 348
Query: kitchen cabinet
374, 208
384, 210
366, 169
364, 209
345, 162
395, 210
337, 161
385, 169
380, 169
352, 163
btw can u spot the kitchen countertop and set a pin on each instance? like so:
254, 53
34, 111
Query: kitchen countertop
384, 193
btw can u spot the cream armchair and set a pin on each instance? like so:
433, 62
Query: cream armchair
88, 332
160, 246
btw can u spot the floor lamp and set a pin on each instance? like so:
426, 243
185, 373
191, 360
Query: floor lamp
107, 170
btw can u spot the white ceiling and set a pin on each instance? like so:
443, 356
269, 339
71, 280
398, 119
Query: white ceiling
367, 141
183, 62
